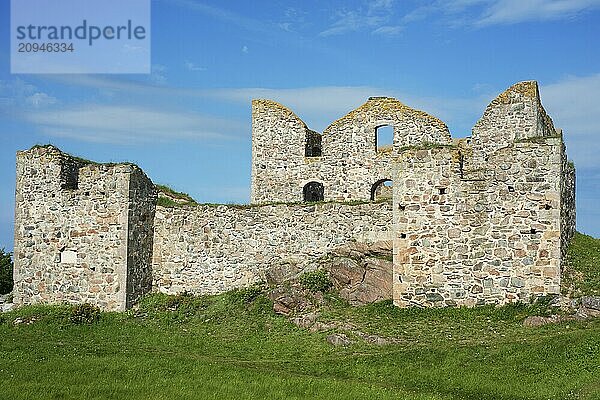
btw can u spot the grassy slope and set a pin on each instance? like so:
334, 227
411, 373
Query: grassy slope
581, 275
226, 347
220, 347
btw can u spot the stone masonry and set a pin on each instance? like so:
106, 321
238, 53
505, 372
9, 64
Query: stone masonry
83, 231
211, 249
480, 220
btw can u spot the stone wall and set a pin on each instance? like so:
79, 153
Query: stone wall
350, 162
140, 236
479, 220
206, 249
568, 208
72, 230
516, 114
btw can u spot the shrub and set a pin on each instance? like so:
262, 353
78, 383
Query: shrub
84, 314
316, 281
6, 272
248, 294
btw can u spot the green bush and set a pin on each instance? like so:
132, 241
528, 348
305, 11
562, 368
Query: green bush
248, 294
84, 314
6, 272
316, 281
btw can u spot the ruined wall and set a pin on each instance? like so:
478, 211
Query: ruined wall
516, 114
485, 219
568, 208
278, 137
140, 235
206, 249
480, 222
72, 229
349, 163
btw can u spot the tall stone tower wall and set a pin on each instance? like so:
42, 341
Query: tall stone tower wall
83, 231
487, 220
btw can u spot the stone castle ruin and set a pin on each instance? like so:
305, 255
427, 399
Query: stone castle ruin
480, 220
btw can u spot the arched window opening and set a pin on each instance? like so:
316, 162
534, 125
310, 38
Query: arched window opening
312, 146
384, 137
382, 189
314, 191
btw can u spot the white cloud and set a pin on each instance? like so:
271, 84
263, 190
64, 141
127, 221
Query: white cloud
320, 106
129, 125
245, 49
574, 104
292, 19
347, 21
515, 11
317, 106
373, 17
388, 30
18, 93
483, 13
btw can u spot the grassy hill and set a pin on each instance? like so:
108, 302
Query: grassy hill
233, 346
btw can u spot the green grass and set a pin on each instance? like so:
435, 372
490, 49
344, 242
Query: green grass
184, 198
538, 139
166, 202
233, 346
581, 274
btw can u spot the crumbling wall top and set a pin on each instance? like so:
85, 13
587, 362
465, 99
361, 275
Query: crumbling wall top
388, 107
262, 105
516, 114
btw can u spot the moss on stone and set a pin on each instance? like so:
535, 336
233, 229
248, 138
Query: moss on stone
167, 197
174, 204
538, 139
391, 106
427, 146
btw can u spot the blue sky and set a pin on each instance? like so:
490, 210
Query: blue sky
187, 124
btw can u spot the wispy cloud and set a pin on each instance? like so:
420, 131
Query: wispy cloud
373, 16
40, 99
317, 106
388, 30
292, 19
129, 125
515, 11
19, 93
484, 13
223, 15
320, 106
574, 104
